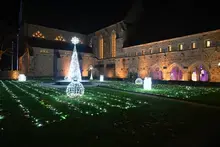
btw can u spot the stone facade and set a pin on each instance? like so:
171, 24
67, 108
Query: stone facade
119, 28
44, 63
193, 57
187, 54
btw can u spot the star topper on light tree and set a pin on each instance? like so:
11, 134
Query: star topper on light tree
74, 73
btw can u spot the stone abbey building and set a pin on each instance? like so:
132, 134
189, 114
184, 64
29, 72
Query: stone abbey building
48, 51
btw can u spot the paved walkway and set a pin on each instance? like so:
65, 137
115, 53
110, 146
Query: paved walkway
163, 98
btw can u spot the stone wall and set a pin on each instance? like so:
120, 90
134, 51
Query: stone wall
187, 55
9, 75
106, 33
87, 61
41, 64
146, 58
63, 63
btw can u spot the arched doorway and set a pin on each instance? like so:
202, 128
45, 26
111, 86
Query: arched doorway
176, 74
199, 73
156, 74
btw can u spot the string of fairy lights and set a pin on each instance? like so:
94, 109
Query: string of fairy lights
54, 111
121, 98
98, 97
177, 91
60, 97
91, 97
92, 103
26, 112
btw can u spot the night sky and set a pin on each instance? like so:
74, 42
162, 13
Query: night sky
82, 16
146, 20
167, 18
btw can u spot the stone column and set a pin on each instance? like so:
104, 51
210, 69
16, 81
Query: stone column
186, 76
55, 64
166, 75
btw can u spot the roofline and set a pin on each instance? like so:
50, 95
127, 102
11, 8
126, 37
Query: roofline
55, 28
107, 26
175, 38
74, 32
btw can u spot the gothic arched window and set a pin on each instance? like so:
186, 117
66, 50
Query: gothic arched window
60, 38
101, 47
38, 34
113, 44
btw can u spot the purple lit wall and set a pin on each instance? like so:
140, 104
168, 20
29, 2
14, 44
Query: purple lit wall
200, 74
176, 74
204, 75
157, 74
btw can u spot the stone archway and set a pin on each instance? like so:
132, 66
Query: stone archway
176, 72
133, 69
156, 72
199, 71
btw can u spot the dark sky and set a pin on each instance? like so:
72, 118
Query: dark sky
84, 16
147, 21
87, 16
159, 20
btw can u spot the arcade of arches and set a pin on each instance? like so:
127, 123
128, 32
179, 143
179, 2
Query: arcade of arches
175, 72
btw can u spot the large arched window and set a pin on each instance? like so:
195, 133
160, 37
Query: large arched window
60, 38
199, 73
101, 47
113, 44
176, 74
38, 34
156, 73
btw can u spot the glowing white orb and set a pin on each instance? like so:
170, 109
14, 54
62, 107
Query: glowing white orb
147, 83
75, 89
139, 81
75, 40
21, 77
219, 64
101, 78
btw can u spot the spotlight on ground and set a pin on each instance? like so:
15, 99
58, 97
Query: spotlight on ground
101, 78
21, 78
147, 83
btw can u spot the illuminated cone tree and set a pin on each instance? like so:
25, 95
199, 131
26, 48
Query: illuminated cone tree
74, 73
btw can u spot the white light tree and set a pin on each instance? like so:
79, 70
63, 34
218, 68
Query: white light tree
74, 73
75, 88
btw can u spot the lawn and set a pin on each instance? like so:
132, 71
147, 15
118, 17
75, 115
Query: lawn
35, 115
204, 95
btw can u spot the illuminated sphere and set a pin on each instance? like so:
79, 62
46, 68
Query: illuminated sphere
21, 77
75, 89
139, 81
219, 64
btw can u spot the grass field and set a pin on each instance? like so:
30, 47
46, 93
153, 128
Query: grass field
33, 115
204, 95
